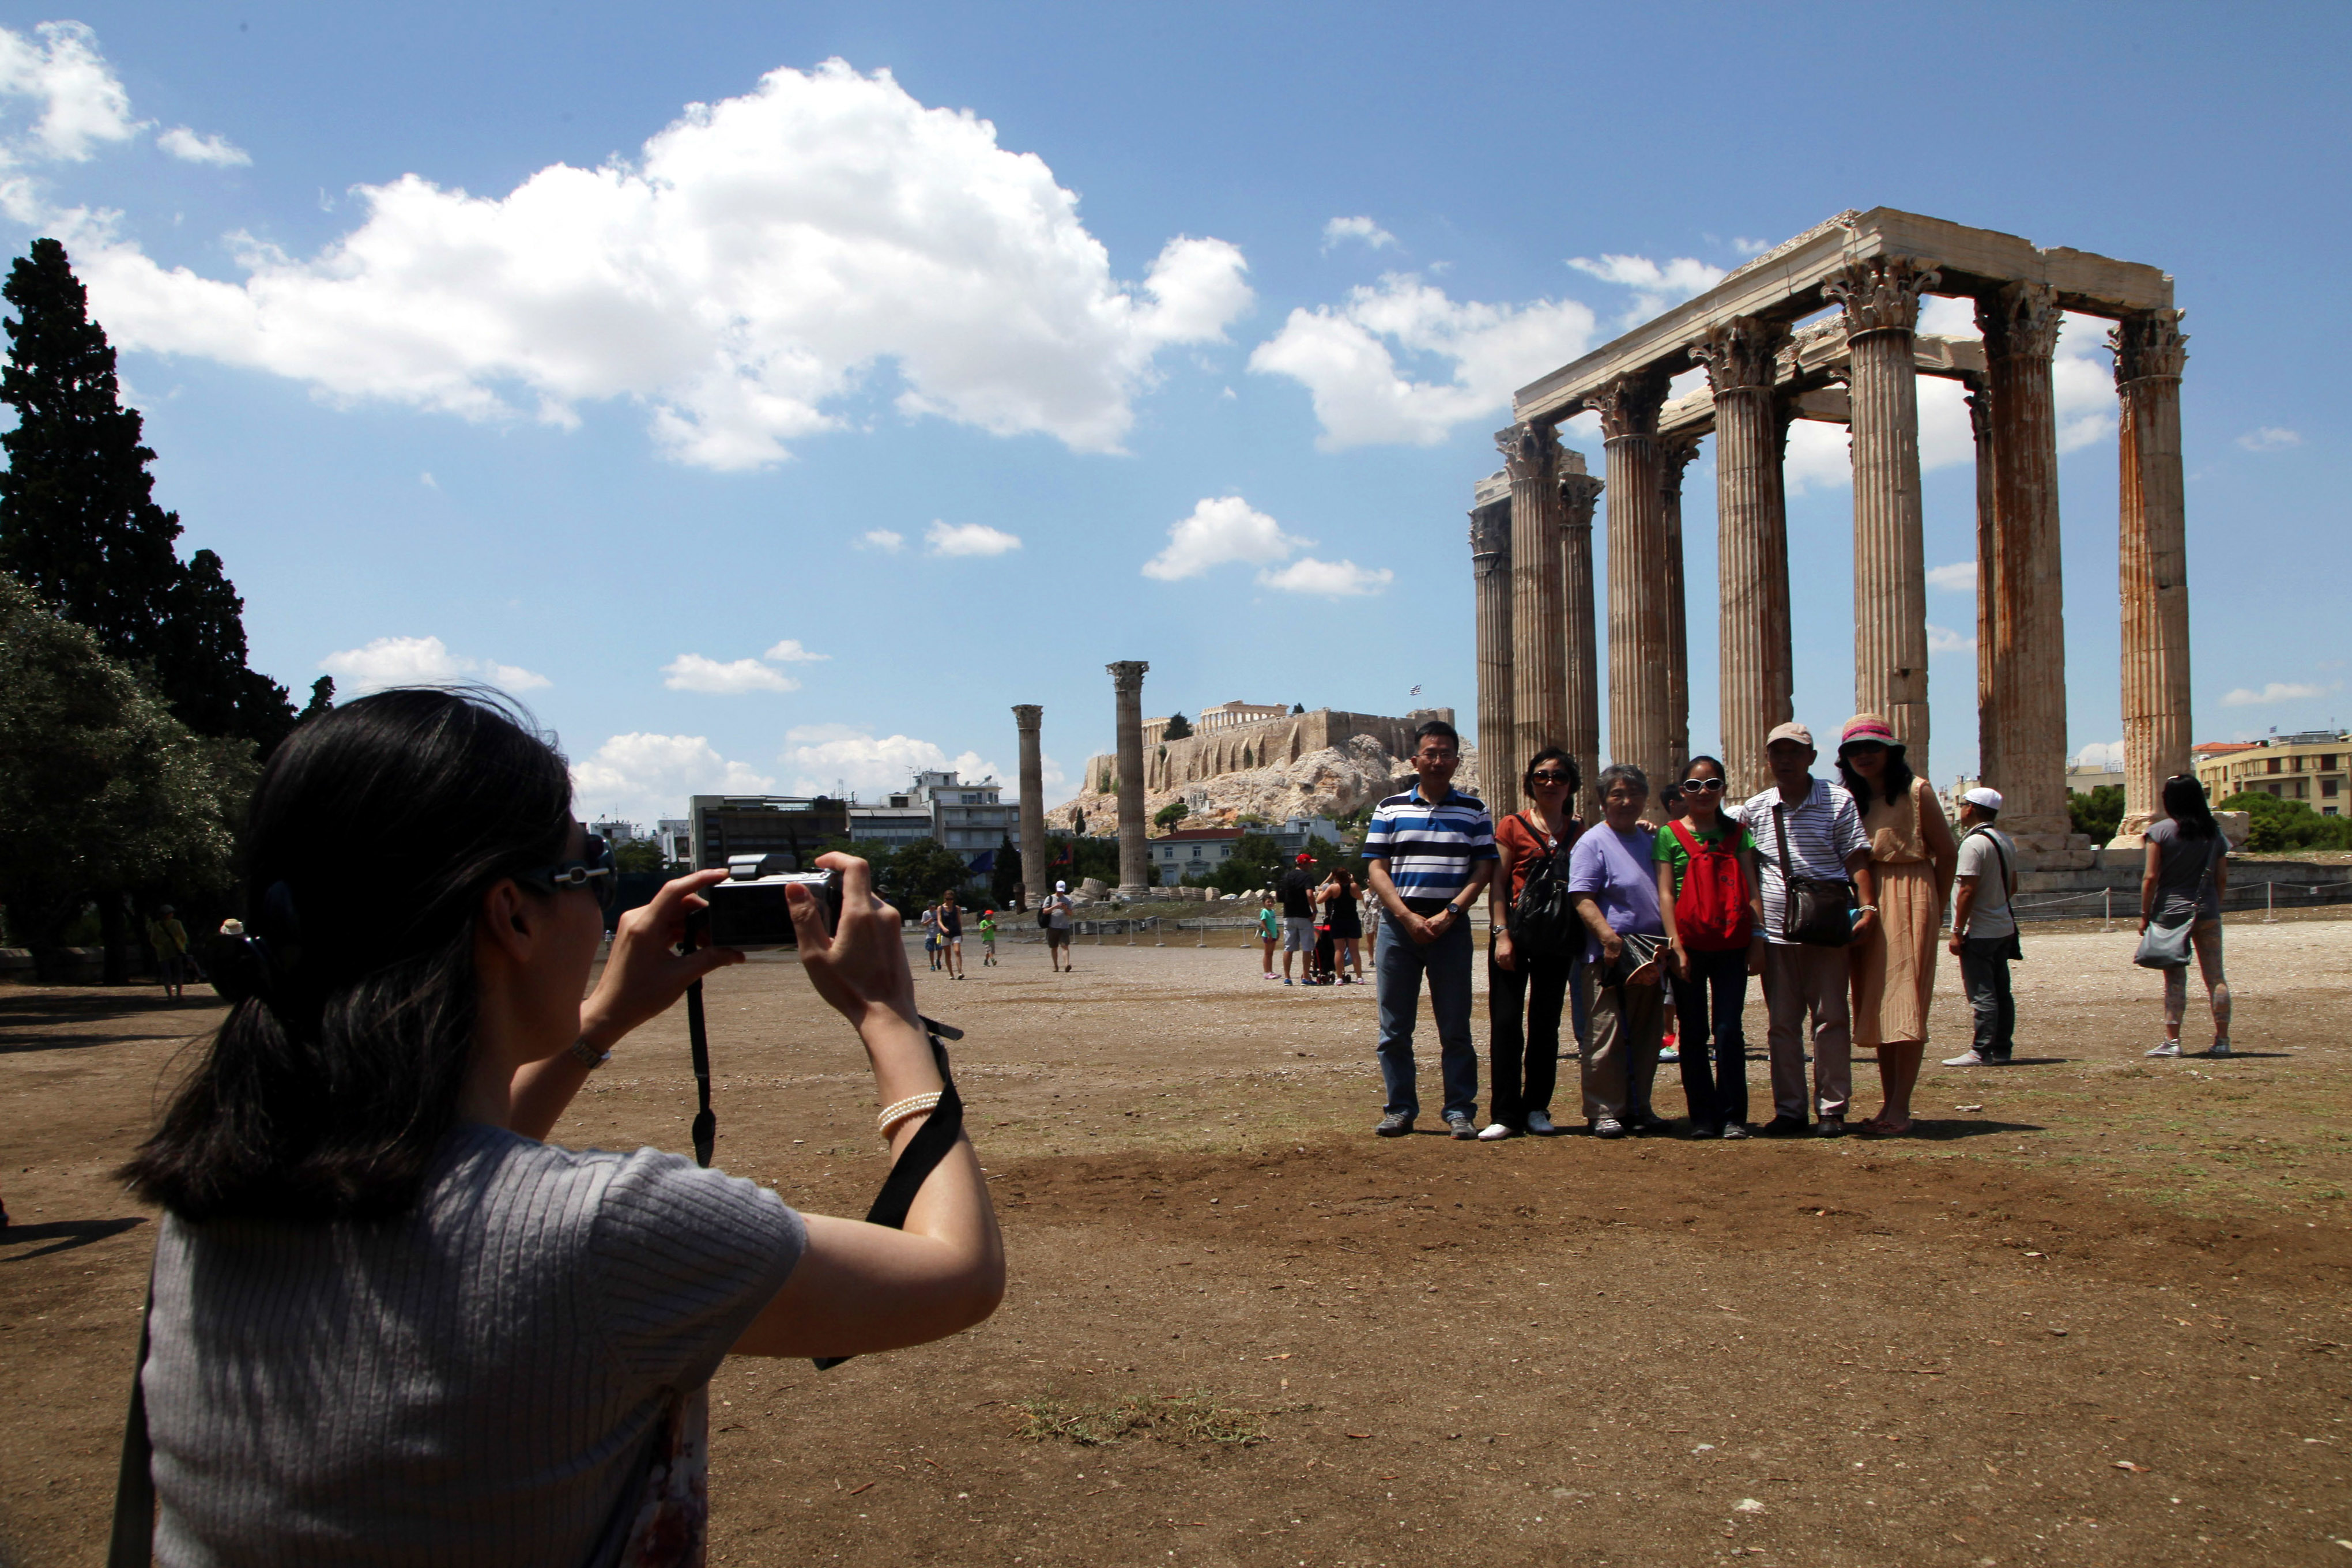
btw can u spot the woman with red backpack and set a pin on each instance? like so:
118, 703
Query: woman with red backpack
1708, 890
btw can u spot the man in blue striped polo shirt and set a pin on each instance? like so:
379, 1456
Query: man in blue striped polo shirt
1430, 854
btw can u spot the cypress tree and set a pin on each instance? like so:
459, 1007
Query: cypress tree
322, 697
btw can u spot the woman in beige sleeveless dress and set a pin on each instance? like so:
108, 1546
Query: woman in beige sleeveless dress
1912, 855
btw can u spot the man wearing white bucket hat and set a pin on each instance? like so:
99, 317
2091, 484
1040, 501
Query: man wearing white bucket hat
1984, 927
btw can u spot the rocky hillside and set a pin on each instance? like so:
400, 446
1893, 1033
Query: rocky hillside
1329, 783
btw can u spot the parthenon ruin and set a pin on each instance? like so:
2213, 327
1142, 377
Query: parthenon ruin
1766, 364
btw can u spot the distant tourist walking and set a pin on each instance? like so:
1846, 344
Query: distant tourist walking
169, 938
1346, 917
951, 934
1531, 959
1429, 854
1296, 891
2187, 875
1707, 894
1808, 829
931, 934
1984, 929
1269, 931
1911, 860
1054, 909
988, 939
1611, 876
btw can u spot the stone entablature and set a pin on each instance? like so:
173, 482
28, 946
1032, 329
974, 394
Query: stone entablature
1281, 737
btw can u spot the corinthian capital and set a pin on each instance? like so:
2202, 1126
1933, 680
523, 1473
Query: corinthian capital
1629, 406
1675, 455
1027, 716
1739, 353
1127, 676
1490, 538
2021, 321
1882, 294
1576, 494
1530, 451
2148, 344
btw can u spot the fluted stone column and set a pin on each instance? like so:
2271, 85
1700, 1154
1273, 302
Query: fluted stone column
1539, 676
2150, 350
1758, 680
1637, 574
1490, 575
1674, 455
1134, 853
2020, 325
1036, 861
1881, 297
1979, 401
1578, 492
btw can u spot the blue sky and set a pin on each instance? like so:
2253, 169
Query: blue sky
792, 438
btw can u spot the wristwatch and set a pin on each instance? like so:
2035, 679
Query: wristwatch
1454, 910
588, 1056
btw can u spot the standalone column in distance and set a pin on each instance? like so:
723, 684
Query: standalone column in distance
1134, 853
1037, 861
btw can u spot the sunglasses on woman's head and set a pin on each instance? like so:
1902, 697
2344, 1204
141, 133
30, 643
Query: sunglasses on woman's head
593, 871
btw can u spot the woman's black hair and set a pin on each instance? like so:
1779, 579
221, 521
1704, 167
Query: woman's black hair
1895, 781
2185, 803
1552, 755
377, 828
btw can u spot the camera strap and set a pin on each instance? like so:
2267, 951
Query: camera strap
924, 1150
697, 1042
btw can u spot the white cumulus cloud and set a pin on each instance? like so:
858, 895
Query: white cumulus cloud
790, 651
829, 756
1359, 228
1959, 577
759, 261
648, 777
191, 148
1347, 357
2270, 438
1655, 285
692, 672
60, 78
420, 661
968, 539
1221, 530
2103, 754
1333, 579
1944, 639
2277, 691
881, 539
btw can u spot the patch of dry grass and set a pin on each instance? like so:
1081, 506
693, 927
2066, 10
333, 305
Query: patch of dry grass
1194, 1418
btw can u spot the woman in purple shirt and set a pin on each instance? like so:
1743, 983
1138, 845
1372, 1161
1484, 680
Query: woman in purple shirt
1611, 876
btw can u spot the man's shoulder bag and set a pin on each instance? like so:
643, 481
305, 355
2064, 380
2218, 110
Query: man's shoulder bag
2008, 885
1544, 922
1815, 912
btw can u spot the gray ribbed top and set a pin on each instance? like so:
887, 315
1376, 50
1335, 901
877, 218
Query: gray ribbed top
478, 1382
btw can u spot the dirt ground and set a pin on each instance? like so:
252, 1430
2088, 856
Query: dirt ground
2095, 1312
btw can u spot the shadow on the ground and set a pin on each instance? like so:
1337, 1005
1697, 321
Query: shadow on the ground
64, 1236
44, 1020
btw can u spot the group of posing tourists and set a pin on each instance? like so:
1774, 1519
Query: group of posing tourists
1320, 925
1832, 893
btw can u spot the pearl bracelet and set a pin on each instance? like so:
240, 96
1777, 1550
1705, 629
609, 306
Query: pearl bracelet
901, 1110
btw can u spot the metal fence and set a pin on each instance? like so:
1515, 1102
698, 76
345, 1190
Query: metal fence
2122, 904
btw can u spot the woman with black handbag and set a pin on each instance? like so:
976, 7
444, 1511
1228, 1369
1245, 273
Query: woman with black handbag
1532, 962
2187, 873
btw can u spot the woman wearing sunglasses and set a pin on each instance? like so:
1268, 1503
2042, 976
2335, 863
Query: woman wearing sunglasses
387, 1319
1708, 893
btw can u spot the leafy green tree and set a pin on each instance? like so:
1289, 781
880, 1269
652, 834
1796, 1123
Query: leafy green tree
103, 794
322, 697
1169, 816
1178, 728
2280, 826
641, 855
2098, 813
79, 523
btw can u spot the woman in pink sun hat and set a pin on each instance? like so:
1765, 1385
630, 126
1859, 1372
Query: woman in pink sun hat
1912, 856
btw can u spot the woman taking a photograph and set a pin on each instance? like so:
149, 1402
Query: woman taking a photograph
1912, 856
1525, 990
389, 1323
2186, 873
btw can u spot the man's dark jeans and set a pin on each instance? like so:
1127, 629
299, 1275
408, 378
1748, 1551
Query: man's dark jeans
1398, 964
1523, 1008
1984, 970
1715, 1062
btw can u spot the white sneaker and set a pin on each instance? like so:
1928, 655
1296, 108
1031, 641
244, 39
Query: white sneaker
2169, 1048
1964, 1059
1539, 1124
1493, 1133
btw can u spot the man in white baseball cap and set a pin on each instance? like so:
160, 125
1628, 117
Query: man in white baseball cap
1054, 909
1984, 929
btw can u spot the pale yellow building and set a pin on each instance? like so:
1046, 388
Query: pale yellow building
2314, 767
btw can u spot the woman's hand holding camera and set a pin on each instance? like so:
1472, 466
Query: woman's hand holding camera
645, 976
861, 968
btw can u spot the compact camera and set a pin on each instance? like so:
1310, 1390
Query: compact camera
747, 910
